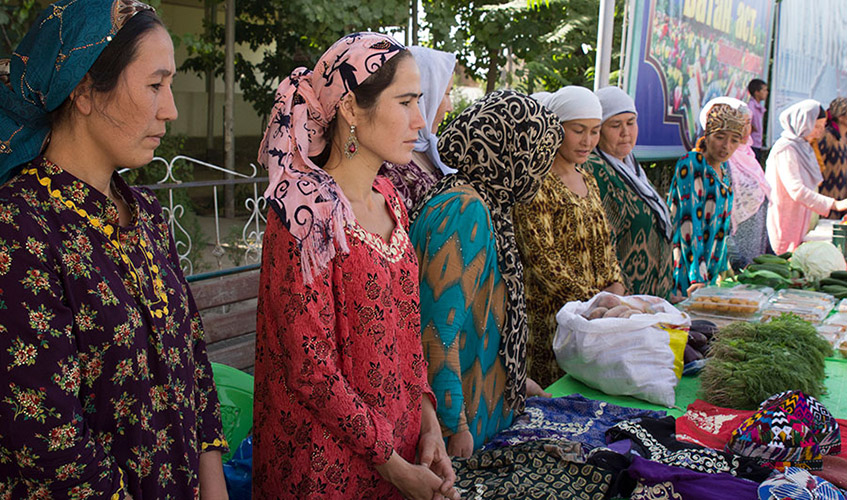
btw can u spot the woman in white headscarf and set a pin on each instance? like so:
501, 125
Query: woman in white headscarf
637, 214
426, 168
562, 234
794, 174
749, 235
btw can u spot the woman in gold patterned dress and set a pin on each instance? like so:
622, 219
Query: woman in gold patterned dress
562, 234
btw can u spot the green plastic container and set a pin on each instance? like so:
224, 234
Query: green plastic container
235, 393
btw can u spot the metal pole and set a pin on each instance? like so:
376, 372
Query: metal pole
605, 29
229, 111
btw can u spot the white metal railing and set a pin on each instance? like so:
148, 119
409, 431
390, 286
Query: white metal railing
252, 232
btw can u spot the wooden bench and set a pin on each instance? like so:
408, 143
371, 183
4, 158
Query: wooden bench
228, 307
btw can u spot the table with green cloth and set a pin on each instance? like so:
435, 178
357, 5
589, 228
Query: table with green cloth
686, 391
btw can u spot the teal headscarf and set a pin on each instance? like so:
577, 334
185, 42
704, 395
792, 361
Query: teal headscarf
51, 60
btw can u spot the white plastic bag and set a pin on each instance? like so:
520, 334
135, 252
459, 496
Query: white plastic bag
620, 356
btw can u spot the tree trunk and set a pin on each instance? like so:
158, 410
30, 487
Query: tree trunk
414, 22
229, 110
211, 19
493, 70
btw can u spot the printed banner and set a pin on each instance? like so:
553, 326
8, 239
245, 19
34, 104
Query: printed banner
681, 54
810, 60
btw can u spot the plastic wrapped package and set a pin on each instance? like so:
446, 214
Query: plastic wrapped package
739, 302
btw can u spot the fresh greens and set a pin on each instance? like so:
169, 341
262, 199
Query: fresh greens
752, 361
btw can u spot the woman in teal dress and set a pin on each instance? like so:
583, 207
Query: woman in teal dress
473, 314
700, 201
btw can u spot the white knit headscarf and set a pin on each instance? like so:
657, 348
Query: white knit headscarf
574, 103
436, 68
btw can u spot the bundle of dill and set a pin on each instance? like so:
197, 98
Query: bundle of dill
749, 362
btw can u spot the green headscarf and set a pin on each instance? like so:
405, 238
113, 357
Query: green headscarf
48, 64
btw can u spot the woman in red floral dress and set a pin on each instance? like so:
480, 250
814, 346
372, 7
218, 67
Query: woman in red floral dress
343, 408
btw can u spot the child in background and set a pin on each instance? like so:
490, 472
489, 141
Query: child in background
758, 91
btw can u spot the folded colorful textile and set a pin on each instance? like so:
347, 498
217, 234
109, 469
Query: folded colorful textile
574, 417
658, 481
709, 425
798, 484
655, 439
540, 469
790, 429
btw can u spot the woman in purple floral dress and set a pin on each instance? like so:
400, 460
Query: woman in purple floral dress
107, 390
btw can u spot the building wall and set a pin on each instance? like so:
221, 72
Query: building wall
182, 17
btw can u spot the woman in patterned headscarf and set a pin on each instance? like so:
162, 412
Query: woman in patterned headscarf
700, 200
794, 174
750, 192
343, 408
107, 391
562, 234
472, 301
833, 148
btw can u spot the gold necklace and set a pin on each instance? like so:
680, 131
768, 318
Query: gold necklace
109, 231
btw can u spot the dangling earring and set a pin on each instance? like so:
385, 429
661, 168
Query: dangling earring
351, 147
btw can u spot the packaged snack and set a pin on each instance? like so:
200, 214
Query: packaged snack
813, 315
743, 301
838, 319
805, 298
832, 333
808, 305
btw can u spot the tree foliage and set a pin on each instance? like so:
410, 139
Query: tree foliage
552, 41
288, 34
15, 20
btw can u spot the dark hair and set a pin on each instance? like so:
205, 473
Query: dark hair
755, 85
366, 94
114, 59
821, 113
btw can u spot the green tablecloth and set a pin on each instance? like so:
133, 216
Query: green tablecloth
686, 391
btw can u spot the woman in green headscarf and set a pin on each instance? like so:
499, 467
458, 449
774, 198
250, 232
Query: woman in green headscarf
107, 389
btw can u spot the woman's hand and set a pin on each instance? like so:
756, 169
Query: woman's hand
433, 455
839, 205
533, 389
460, 444
431, 451
415, 482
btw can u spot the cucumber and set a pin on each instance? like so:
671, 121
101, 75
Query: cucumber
780, 269
839, 275
770, 259
834, 289
833, 281
786, 255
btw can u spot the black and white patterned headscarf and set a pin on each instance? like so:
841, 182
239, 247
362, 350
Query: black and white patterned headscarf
503, 146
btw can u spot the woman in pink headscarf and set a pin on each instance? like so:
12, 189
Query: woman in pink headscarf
343, 408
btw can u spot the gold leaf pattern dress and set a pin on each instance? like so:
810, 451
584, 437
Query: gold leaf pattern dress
567, 253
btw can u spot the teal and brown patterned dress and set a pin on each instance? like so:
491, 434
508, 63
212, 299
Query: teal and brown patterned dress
645, 254
462, 313
567, 254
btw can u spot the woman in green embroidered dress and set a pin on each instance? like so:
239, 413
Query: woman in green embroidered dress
637, 214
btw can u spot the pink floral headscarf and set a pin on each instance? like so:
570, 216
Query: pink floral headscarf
306, 198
